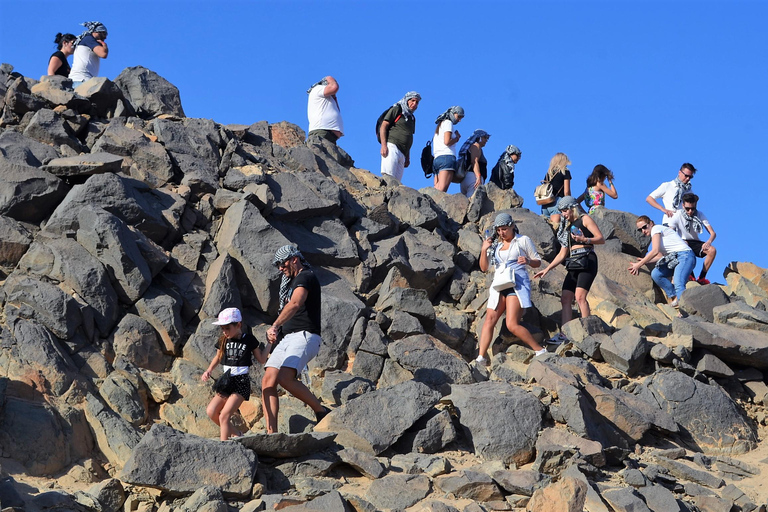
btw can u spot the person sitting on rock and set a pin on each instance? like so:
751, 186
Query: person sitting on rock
688, 223
297, 329
672, 255
444, 146
323, 110
671, 192
57, 64
508, 250
578, 234
90, 48
235, 348
503, 173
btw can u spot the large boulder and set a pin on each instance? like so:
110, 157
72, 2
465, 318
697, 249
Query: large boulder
150, 94
430, 361
28, 194
502, 421
731, 344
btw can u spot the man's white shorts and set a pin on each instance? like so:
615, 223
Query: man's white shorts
295, 350
394, 163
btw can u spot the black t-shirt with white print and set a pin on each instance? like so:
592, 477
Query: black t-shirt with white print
238, 352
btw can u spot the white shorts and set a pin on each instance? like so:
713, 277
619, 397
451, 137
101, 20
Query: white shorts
468, 184
394, 163
295, 350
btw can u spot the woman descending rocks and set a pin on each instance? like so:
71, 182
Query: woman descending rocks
577, 234
594, 195
472, 159
234, 350
559, 177
444, 146
510, 292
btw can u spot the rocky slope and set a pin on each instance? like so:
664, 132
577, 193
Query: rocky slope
125, 227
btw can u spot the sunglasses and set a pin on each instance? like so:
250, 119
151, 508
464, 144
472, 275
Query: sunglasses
642, 228
689, 208
689, 176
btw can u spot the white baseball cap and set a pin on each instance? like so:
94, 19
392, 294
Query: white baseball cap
229, 316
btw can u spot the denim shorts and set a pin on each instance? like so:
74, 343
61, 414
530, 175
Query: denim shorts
444, 163
550, 210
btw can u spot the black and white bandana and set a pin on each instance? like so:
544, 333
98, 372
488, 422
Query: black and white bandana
284, 253
681, 189
321, 82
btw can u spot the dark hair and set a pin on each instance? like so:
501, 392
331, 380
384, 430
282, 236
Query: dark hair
63, 38
599, 173
690, 197
688, 166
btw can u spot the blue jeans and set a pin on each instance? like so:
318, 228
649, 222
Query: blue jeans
686, 260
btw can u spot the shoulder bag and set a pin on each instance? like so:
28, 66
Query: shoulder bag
220, 384
504, 278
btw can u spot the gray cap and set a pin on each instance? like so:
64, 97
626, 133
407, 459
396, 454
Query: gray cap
514, 150
566, 202
503, 219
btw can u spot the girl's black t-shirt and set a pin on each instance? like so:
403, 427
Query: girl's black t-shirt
238, 352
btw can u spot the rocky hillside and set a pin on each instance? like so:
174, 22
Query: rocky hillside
125, 227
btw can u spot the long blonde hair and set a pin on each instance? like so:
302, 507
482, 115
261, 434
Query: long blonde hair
558, 164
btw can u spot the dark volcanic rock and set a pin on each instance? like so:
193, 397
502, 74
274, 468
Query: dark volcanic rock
149, 93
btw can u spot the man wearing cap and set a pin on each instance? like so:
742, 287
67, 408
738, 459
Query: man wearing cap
90, 48
323, 110
396, 135
297, 328
503, 173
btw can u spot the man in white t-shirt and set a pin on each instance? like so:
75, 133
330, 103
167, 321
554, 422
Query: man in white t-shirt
323, 110
90, 48
688, 223
671, 192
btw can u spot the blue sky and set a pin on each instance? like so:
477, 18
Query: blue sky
640, 87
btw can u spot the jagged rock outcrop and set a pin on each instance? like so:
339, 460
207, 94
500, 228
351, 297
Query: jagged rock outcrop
125, 227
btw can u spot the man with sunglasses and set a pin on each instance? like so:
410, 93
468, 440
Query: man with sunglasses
671, 193
689, 222
90, 48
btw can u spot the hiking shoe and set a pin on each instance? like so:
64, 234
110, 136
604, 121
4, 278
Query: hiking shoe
482, 360
557, 339
322, 414
702, 280
691, 277
673, 303
537, 353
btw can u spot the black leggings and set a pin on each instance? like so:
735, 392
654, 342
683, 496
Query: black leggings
582, 278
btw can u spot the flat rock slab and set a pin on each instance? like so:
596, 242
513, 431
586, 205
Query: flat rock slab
179, 464
84, 165
731, 344
284, 446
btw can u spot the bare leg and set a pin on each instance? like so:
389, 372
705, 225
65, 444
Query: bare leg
708, 260
486, 333
286, 377
214, 407
269, 399
566, 299
554, 219
514, 312
581, 300
444, 180
227, 430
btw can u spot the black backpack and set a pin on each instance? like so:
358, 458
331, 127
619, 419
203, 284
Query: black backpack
381, 120
427, 160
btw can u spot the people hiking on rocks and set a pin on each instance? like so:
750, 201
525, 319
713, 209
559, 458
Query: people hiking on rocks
594, 195
559, 177
689, 222
578, 234
672, 255
473, 161
444, 146
671, 192
323, 110
234, 350
396, 135
509, 253
295, 333
90, 48
57, 64
503, 173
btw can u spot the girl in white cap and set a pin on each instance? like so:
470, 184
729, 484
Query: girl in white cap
235, 348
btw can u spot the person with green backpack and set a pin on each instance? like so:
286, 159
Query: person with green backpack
394, 129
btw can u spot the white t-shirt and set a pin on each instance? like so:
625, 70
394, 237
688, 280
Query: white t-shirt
666, 191
670, 240
323, 113
438, 141
85, 63
677, 222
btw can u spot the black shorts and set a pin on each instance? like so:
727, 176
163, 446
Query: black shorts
696, 246
238, 384
582, 278
509, 291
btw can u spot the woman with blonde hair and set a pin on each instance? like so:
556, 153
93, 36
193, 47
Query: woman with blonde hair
578, 234
559, 177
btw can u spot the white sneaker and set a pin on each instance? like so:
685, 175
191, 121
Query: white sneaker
538, 353
481, 360
673, 303
557, 339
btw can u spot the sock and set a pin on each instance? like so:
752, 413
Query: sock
702, 274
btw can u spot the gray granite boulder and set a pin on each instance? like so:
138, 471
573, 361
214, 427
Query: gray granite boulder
701, 300
397, 491
731, 344
739, 314
50, 127
626, 350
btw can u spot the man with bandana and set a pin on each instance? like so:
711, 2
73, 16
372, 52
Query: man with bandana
396, 135
689, 222
671, 193
297, 329
323, 110
90, 48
